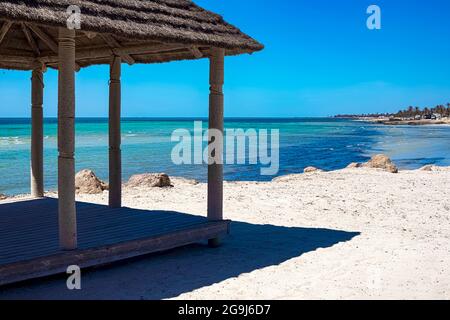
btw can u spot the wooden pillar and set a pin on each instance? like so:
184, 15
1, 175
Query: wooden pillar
215, 170
37, 134
66, 140
115, 156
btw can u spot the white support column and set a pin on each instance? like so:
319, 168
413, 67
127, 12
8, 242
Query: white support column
66, 140
115, 156
37, 135
216, 121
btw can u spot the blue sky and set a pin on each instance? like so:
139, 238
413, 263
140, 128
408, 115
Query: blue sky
320, 59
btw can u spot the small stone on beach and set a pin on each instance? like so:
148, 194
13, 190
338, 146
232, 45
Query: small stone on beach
312, 169
87, 182
160, 180
381, 161
429, 167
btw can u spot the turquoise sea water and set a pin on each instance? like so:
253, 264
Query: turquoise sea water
326, 143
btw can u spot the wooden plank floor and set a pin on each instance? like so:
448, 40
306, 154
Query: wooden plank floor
29, 236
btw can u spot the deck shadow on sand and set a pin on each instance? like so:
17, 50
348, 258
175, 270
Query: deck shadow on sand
159, 276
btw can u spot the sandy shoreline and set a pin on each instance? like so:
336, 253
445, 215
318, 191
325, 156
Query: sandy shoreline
352, 233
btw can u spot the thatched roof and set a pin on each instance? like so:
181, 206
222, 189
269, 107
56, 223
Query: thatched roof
141, 30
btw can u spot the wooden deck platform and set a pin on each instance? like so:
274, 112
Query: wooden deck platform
29, 236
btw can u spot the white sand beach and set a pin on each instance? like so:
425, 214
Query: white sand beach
350, 234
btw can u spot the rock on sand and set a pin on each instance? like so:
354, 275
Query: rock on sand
381, 161
434, 168
312, 169
87, 182
354, 165
160, 180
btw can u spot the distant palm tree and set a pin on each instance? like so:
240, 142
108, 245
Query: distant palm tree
410, 111
416, 111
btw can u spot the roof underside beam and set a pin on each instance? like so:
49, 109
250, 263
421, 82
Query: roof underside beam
99, 53
90, 57
44, 37
30, 39
4, 30
196, 52
113, 43
52, 44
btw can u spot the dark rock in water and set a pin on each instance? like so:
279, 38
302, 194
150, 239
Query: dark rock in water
87, 182
3, 196
381, 161
153, 180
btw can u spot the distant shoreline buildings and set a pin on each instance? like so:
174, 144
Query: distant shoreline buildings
411, 113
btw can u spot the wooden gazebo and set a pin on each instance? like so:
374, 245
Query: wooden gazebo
43, 236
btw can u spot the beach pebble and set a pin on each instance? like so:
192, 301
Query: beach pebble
149, 180
430, 167
312, 169
87, 182
381, 161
